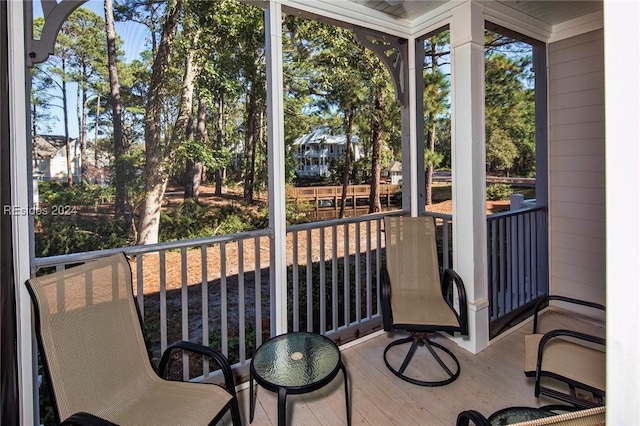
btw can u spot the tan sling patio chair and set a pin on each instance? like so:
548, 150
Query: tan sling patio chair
417, 300
96, 362
575, 359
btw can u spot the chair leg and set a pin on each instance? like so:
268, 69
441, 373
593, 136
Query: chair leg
235, 412
422, 339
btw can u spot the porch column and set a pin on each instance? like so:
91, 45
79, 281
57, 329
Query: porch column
622, 153
468, 167
411, 165
20, 181
275, 154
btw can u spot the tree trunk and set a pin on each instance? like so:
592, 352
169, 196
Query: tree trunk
183, 127
185, 110
376, 142
84, 114
348, 125
116, 107
220, 126
250, 147
65, 112
155, 167
194, 169
431, 141
95, 137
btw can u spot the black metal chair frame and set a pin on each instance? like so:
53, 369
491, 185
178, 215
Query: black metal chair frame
420, 335
477, 418
540, 373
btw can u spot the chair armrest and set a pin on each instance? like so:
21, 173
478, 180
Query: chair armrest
85, 419
474, 416
543, 301
569, 333
448, 277
217, 356
385, 295
558, 334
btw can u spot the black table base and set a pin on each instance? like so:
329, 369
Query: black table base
288, 386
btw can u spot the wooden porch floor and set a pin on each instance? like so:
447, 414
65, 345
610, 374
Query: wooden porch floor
489, 381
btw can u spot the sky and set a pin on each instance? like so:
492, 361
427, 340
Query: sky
134, 37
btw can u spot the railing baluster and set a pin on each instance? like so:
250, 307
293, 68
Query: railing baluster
309, 281
258, 291
512, 264
358, 283
140, 283
521, 266
296, 296
527, 258
241, 305
163, 302
378, 262
204, 294
446, 262
493, 252
503, 268
184, 296
334, 278
368, 273
223, 297
323, 286
346, 285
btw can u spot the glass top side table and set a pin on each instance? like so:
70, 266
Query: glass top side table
295, 363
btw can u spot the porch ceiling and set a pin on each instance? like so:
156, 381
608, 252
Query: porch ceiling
549, 12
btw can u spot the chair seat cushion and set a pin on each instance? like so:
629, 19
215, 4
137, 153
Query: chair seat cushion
166, 403
566, 358
412, 307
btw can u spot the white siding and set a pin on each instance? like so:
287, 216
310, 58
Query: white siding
577, 167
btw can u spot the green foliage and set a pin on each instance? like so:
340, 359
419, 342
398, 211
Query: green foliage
56, 193
499, 191
192, 220
509, 103
84, 228
298, 212
501, 150
75, 234
432, 158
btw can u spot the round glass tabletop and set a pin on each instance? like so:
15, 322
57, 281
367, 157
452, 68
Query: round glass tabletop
296, 359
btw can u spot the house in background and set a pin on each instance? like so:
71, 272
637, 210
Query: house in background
315, 151
50, 158
393, 173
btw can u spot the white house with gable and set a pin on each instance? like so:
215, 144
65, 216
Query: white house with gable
315, 151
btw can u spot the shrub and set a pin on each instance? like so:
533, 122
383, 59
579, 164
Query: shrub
56, 193
192, 220
185, 221
499, 191
76, 234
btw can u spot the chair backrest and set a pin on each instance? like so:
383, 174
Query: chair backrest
412, 256
90, 335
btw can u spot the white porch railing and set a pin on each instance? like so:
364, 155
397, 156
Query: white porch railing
216, 290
